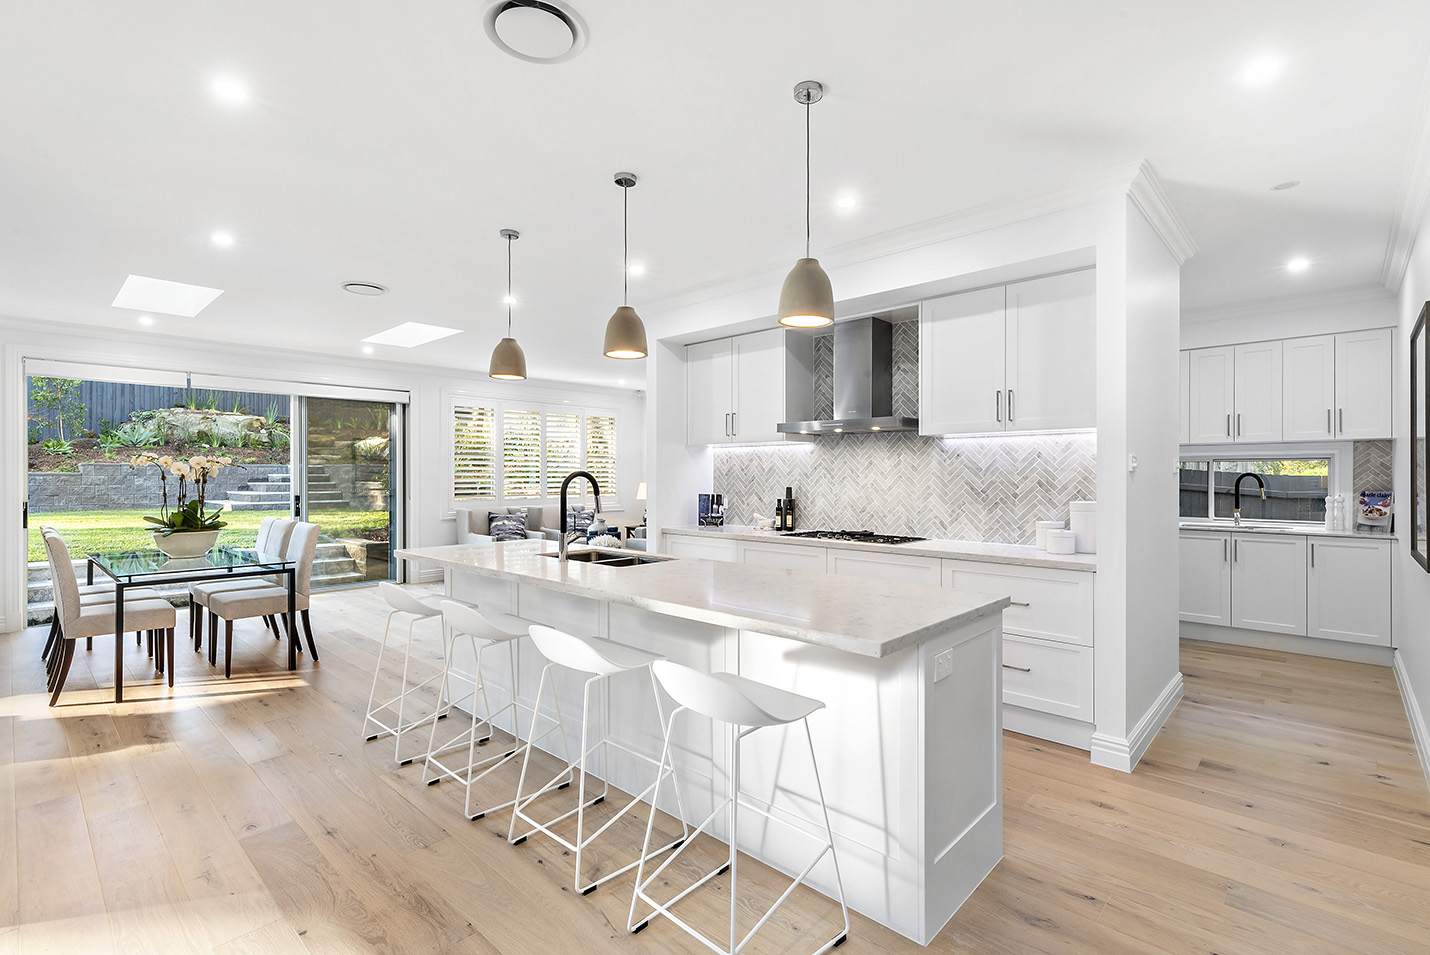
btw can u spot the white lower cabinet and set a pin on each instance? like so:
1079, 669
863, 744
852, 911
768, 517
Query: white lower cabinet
1268, 583
1205, 577
911, 568
1048, 676
1047, 604
1349, 593
782, 555
705, 548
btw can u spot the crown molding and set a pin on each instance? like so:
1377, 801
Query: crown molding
1411, 198
1349, 295
1147, 194
1118, 181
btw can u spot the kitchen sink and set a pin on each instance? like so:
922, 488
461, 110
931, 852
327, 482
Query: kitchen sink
609, 558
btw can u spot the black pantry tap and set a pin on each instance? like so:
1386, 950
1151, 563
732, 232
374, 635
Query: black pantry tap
1236, 493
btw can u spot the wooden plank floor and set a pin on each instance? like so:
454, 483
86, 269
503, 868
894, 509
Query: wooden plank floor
1281, 810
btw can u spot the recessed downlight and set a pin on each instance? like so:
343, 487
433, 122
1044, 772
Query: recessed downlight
229, 89
847, 201
146, 319
537, 31
1288, 184
1262, 70
368, 349
364, 288
636, 268
1298, 264
222, 240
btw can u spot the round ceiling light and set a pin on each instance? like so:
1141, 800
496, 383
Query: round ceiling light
537, 31
363, 288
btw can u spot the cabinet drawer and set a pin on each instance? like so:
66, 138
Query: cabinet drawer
1050, 677
912, 568
1049, 604
782, 555
705, 548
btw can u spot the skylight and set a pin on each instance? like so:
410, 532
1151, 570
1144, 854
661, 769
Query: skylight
411, 334
158, 295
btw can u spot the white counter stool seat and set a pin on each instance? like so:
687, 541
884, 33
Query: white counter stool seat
416, 608
603, 660
745, 706
483, 631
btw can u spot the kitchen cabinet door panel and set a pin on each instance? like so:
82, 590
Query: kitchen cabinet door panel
1213, 385
1308, 388
705, 548
784, 556
1258, 392
1268, 583
961, 363
1184, 419
759, 361
1049, 604
1205, 575
1364, 373
1052, 353
1349, 594
912, 568
708, 392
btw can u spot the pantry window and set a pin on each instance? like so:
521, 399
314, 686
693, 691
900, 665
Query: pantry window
1296, 488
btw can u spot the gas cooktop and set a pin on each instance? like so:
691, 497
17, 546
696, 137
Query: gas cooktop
863, 537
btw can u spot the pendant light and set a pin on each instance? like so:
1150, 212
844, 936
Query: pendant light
625, 332
508, 360
807, 299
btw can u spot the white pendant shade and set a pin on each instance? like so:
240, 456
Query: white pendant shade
508, 361
807, 298
625, 334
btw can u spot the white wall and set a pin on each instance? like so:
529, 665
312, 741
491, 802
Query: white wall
1137, 402
429, 434
1410, 583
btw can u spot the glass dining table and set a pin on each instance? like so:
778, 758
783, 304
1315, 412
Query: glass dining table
136, 568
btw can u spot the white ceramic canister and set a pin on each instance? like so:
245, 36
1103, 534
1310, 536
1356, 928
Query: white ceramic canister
1040, 532
1062, 542
1082, 520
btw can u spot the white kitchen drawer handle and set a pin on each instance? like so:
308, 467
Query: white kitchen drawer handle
1009, 666
1019, 603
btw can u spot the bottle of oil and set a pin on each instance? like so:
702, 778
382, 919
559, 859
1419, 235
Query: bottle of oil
779, 514
789, 509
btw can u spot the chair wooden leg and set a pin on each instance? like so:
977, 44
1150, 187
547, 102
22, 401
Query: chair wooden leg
53, 637
66, 658
308, 631
158, 637
213, 638
89, 643
227, 649
169, 640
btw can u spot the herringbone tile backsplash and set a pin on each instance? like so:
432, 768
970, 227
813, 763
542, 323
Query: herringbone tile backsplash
984, 488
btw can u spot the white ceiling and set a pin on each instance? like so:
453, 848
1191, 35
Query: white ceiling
389, 142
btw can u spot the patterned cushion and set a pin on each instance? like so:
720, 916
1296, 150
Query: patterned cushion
507, 527
579, 520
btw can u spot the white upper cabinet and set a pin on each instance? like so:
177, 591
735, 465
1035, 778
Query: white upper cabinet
1213, 384
738, 389
961, 354
1184, 417
1308, 388
1363, 378
1014, 358
709, 395
1051, 353
1258, 392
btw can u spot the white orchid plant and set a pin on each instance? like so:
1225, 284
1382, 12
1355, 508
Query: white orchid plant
187, 514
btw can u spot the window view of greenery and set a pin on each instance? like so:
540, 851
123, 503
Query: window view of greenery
1296, 489
350, 484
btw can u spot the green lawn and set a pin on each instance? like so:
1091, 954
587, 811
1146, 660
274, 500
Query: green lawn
88, 532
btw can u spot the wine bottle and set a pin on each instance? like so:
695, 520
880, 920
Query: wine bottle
779, 514
789, 508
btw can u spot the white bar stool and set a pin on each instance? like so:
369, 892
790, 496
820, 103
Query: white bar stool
483, 632
602, 659
738, 702
401, 602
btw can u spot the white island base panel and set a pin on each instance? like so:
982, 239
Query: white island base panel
912, 768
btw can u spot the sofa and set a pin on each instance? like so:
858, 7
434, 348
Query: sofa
542, 522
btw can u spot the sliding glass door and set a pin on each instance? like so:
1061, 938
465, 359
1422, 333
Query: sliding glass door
348, 476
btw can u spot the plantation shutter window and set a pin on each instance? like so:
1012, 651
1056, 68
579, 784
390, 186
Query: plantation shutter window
474, 454
563, 448
521, 454
601, 450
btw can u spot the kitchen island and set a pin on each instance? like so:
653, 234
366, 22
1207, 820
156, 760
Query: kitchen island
909, 745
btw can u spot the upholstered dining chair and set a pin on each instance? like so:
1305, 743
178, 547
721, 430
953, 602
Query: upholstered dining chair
271, 544
270, 600
88, 594
78, 619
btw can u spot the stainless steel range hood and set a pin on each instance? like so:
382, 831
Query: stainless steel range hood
863, 383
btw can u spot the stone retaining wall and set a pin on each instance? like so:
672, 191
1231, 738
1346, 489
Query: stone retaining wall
100, 487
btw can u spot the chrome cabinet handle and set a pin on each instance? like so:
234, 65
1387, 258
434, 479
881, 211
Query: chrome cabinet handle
1313, 553
734, 422
1010, 405
1009, 666
1228, 424
1225, 546
1018, 603
1236, 550
727, 424
1341, 420
1329, 429
998, 402
1238, 424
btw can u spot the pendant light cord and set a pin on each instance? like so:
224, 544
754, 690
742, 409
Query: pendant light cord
508, 286
806, 178
625, 245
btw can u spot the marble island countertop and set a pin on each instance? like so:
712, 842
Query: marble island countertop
1300, 530
872, 618
1021, 554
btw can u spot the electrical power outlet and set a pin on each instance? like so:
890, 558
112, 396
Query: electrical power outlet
942, 665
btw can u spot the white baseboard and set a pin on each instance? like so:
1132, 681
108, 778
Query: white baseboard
1287, 643
1418, 730
1123, 754
1057, 729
